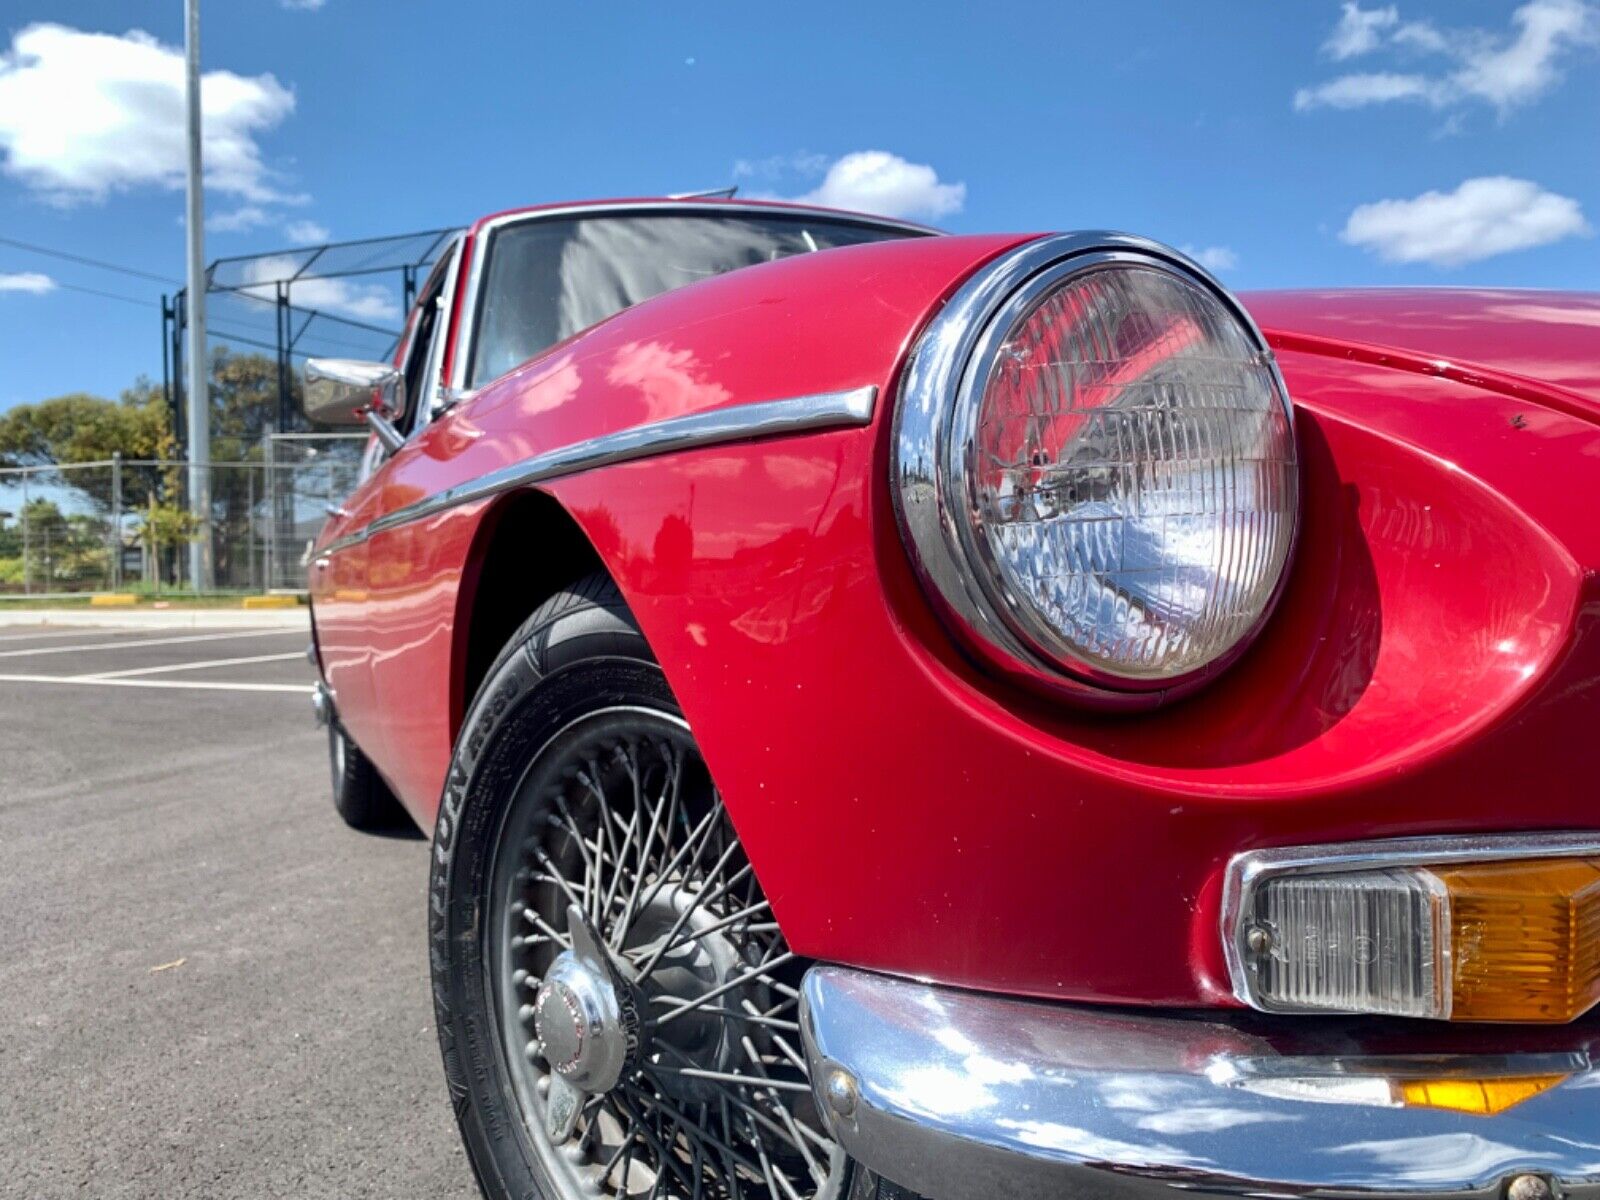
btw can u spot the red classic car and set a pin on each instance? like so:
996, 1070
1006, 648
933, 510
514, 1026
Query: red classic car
971, 716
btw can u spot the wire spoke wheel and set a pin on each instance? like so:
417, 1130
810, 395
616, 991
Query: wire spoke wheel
647, 1002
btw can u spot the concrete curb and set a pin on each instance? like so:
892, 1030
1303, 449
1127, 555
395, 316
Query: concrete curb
171, 618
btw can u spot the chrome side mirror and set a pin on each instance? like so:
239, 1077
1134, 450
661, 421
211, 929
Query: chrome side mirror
342, 391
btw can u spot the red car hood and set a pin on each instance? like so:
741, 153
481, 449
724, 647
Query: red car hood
1543, 345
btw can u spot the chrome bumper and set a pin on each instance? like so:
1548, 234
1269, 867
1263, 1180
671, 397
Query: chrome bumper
321, 703
963, 1096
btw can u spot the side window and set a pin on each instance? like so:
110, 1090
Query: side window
425, 356
427, 405
421, 359
418, 351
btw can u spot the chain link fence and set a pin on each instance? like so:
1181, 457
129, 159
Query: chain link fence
308, 473
123, 525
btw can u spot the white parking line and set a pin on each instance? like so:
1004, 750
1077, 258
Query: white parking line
190, 666
61, 633
169, 641
195, 684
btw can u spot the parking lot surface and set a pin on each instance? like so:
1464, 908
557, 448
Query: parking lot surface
211, 987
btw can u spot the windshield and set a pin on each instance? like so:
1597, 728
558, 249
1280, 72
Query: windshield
546, 279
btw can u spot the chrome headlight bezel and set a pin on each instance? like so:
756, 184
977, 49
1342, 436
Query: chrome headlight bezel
933, 452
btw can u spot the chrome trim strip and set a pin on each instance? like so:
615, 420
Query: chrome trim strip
737, 423
484, 234
1248, 870
965, 1096
933, 415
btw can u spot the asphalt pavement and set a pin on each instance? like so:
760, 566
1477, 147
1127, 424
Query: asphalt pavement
209, 987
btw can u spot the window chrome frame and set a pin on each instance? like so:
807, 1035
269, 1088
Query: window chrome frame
434, 399
484, 236
428, 405
934, 451
1247, 871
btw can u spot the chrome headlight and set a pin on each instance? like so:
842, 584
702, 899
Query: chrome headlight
1095, 465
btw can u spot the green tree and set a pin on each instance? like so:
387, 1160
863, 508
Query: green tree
60, 550
162, 528
244, 410
11, 546
244, 404
80, 428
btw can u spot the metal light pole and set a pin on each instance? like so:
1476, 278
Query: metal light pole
116, 518
27, 548
199, 398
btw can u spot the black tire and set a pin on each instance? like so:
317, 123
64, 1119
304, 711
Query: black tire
578, 658
359, 792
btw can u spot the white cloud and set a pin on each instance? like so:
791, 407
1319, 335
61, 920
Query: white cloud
775, 166
1212, 258
1524, 67
250, 217
1481, 218
1355, 91
1421, 37
1502, 70
362, 301
305, 232
876, 181
26, 281
303, 5
86, 114
1360, 30
239, 220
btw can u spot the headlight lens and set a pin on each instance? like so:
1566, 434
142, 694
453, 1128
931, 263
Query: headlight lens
1112, 465
1133, 476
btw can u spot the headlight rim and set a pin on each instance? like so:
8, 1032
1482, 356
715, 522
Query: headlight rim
939, 393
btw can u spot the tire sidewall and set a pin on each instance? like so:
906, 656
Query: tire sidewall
360, 796
338, 764
518, 710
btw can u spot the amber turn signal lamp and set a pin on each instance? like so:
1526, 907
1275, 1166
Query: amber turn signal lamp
1524, 939
1476, 1097
1482, 930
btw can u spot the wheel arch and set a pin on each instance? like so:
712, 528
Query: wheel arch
527, 547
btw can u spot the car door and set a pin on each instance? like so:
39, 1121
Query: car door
351, 635
401, 654
338, 597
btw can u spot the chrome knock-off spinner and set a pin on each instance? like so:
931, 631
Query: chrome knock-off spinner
587, 1022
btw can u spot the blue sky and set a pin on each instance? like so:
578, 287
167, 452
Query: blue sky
1291, 144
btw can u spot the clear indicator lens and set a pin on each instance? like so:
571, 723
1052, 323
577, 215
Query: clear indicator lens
1134, 479
1367, 941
